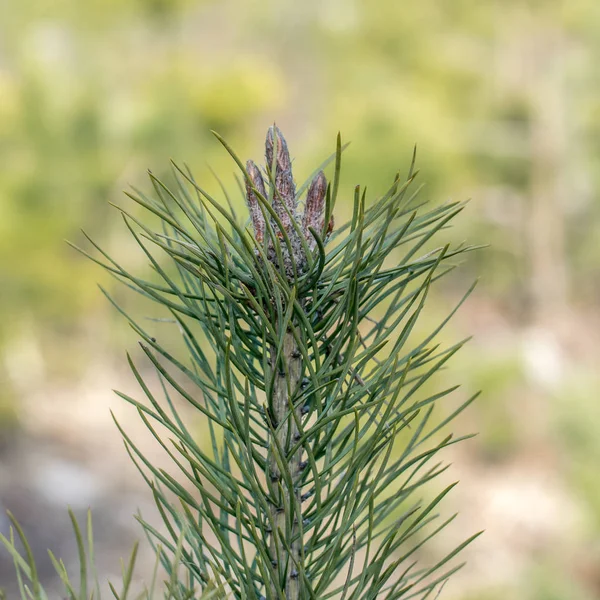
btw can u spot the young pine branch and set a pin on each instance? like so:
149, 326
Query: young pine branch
304, 356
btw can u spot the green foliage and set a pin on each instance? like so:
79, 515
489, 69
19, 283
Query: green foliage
88, 586
307, 393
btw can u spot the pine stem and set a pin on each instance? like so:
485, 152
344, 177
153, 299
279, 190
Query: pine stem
287, 373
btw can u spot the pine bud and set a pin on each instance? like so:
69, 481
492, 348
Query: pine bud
256, 212
285, 190
314, 213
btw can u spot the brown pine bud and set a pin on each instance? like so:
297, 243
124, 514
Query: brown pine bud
256, 212
285, 190
314, 212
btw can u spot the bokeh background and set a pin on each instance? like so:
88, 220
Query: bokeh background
503, 100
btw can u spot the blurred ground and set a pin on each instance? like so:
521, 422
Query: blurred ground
502, 98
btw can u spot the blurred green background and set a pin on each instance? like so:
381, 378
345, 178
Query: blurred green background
502, 99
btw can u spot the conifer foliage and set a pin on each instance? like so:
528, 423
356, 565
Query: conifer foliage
303, 358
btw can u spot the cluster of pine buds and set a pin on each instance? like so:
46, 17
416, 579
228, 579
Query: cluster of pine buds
284, 202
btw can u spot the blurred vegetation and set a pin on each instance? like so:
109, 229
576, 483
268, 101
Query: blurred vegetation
502, 98
92, 96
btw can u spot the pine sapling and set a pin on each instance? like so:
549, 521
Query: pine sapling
303, 357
